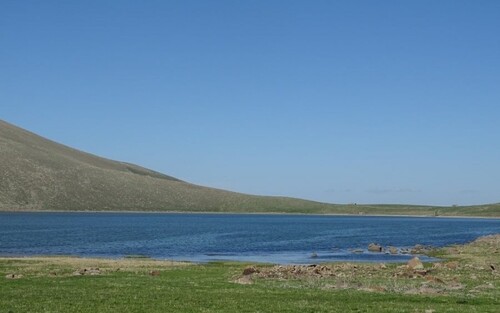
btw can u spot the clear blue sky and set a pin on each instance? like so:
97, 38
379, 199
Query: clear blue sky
337, 101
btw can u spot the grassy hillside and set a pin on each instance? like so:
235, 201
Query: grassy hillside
39, 174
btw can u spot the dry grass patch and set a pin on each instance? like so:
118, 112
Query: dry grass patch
65, 266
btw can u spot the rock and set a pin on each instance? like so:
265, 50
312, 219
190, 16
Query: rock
357, 250
250, 270
314, 255
393, 250
154, 273
373, 247
382, 266
415, 264
417, 249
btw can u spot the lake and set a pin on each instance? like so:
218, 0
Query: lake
239, 237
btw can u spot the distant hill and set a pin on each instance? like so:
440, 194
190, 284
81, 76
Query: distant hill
39, 174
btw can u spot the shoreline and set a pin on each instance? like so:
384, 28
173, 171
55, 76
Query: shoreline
467, 279
252, 213
431, 255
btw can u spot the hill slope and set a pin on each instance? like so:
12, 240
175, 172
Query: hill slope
39, 174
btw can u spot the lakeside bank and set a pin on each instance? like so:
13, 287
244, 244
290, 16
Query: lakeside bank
464, 282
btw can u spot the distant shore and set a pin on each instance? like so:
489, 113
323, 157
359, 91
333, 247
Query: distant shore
250, 213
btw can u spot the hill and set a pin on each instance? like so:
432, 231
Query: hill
38, 174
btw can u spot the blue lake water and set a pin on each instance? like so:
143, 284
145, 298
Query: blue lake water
248, 237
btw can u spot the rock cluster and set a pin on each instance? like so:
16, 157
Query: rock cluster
313, 270
421, 249
474, 272
417, 249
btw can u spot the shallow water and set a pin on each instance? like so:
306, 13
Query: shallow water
239, 237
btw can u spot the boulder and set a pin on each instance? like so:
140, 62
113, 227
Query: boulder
415, 264
374, 247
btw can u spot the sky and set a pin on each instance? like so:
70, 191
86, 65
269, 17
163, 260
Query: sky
335, 101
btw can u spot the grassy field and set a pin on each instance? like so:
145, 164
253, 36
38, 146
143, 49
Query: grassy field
464, 282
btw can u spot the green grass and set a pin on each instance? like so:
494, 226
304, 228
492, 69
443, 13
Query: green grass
48, 284
203, 288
